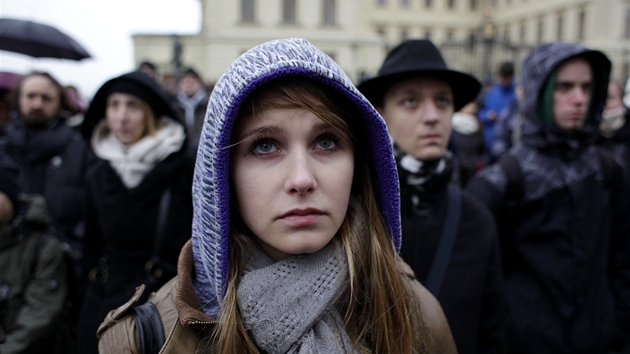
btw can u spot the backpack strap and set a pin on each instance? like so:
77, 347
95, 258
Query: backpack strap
447, 240
515, 182
148, 327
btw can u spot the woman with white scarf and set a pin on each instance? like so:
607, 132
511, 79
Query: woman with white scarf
139, 202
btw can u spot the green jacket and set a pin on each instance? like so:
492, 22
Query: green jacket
33, 276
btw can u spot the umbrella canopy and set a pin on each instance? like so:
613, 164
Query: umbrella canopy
38, 40
9, 80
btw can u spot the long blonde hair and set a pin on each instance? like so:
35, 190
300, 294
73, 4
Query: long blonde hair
380, 310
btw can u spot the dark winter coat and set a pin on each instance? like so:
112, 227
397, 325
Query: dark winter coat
121, 232
471, 295
33, 284
565, 239
53, 163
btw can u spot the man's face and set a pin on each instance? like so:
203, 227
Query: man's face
572, 93
418, 114
189, 84
39, 99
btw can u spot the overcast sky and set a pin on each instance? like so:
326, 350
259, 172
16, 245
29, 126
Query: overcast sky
104, 28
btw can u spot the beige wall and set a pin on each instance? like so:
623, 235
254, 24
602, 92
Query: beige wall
364, 30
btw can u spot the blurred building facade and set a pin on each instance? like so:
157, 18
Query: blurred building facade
474, 35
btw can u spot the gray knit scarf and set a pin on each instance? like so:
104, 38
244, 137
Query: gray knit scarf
289, 306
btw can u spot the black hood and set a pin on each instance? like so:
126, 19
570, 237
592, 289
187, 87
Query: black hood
537, 68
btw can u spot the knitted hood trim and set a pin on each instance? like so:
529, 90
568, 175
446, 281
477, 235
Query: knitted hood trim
211, 187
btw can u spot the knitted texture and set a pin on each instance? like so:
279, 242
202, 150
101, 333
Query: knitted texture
289, 306
211, 188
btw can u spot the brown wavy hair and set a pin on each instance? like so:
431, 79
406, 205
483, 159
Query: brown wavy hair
381, 311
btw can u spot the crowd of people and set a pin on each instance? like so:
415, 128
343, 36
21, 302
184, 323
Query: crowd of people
286, 210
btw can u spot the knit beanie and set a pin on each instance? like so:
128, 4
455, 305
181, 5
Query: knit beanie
10, 179
138, 90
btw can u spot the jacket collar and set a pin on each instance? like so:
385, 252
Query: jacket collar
186, 301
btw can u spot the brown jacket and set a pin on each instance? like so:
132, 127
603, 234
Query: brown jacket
185, 323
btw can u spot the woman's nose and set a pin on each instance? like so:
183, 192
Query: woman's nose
301, 174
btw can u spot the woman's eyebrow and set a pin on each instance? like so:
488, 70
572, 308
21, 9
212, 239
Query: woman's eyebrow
260, 130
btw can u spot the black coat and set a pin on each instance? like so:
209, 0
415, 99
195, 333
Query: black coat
565, 238
471, 295
121, 236
53, 163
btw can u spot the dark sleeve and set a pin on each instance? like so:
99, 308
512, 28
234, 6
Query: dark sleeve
619, 263
93, 242
492, 336
44, 299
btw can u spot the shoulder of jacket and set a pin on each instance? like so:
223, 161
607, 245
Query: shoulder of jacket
432, 313
117, 333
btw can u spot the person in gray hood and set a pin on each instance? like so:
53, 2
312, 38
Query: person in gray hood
562, 206
296, 227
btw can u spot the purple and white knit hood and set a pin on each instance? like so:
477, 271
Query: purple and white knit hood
211, 187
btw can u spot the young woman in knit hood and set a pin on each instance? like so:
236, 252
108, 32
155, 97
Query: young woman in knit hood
296, 224
139, 204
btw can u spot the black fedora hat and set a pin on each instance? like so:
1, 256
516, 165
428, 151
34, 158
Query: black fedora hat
419, 57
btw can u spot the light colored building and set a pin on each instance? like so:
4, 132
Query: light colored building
474, 35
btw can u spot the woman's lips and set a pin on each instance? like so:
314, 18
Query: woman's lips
302, 217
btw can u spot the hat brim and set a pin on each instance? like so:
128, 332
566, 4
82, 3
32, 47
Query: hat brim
465, 87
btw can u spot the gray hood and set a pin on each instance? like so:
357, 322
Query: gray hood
211, 187
537, 68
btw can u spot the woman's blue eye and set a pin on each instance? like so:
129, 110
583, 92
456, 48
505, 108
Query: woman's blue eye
264, 146
327, 143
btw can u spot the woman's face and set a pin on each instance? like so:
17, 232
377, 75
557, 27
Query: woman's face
125, 117
292, 176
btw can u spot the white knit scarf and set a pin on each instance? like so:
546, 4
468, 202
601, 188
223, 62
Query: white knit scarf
134, 161
289, 306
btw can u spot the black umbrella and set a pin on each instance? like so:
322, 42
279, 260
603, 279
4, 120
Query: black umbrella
38, 40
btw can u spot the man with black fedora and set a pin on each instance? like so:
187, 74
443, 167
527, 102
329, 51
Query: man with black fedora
449, 238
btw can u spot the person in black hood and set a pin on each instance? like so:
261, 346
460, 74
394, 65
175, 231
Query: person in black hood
139, 210
562, 205
449, 238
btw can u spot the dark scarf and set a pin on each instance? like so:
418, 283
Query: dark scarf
41, 142
419, 178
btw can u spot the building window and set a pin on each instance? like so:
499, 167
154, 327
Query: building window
381, 3
473, 5
626, 30
560, 24
506, 34
381, 32
427, 33
522, 32
405, 3
450, 4
581, 24
404, 34
427, 4
329, 12
288, 11
450, 35
541, 30
247, 11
